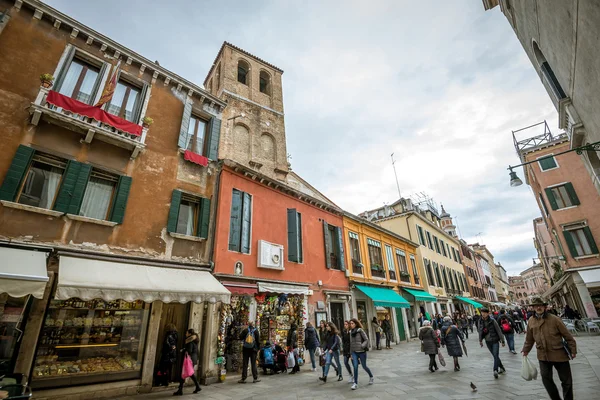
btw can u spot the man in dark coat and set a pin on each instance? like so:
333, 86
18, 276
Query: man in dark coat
552, 340
490, 331
311, 342
251, 338
386, 325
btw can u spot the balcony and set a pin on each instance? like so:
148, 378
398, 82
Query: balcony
405, 277
377, 271
357, 267
130, 139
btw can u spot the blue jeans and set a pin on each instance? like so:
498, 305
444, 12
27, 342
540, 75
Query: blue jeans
329, 357
363, 361
510, 340
347, 357
311, 352
494, 348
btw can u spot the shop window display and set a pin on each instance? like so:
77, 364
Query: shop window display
234, 318
11, 317
90, 341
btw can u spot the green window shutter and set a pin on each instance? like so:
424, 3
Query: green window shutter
300, 253
66, 187
327, 246
570, 243
16, 173
590, 239
340, 244
120, 199
572, 194
235, 221
184, 138
547, 163
292, 230
174, 211
213, 140
79, 186
551, 198
203, 218
246, 222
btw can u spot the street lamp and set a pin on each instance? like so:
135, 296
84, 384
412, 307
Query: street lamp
514, 179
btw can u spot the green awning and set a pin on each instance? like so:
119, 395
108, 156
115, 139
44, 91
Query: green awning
421, 295
384, 297
469, 301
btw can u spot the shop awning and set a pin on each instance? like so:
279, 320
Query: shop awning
241, 288
591, 277
384, 297
421, 295
23, 272
282, 288
469, 301
90, 279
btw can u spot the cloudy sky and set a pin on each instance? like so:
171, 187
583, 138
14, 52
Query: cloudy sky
440, 84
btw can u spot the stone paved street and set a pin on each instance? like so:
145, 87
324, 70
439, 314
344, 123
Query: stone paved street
402, 373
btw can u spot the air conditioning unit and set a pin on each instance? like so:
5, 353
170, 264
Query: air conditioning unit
270, 255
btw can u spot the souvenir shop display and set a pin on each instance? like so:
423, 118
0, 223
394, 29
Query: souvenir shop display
234, 319
276, 313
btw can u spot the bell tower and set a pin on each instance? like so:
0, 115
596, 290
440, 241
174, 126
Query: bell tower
447, 224
253, 129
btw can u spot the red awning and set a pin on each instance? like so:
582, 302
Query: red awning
96, 113
241, 288
195, 158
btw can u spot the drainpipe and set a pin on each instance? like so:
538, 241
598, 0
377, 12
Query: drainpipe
213, 225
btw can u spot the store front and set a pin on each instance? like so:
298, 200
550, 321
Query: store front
466, 305
420, 302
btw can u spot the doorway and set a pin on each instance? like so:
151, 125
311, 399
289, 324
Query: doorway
176, 314
400, 321
361, 313
337, 314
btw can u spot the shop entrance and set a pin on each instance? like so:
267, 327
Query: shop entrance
176, 314
337, 314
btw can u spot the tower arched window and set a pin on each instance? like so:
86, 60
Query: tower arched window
265, 83
243, 69
547, 73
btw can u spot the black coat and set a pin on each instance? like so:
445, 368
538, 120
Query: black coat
490, 331
429, 339
292, 339
256, 339
323, 336
346, 342
169, 349
452, 338
311, 340
386, 325
191, 348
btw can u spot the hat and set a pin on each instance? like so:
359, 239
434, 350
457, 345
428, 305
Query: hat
537, 301
484, 310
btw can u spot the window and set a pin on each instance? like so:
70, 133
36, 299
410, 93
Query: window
437, 274
42, 181
355, 253
413, 262
294, 219
421, 235
402, 266
443, 248
240, 223
445, 276
265, 83
580, 241
197, 135
550, 78
437, 244
429, 241
98, 195
562, 196
189, 215
375, 258
547, 162
455, 255
390, 262
80, 81
126, 101
334, 248
243, 69
429, 272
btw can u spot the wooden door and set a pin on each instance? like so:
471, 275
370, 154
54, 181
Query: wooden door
176, 314
337, 314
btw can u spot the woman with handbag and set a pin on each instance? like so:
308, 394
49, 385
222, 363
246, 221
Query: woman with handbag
190, 350
429, 344
377, 329
359, 344
452, 339
332, 351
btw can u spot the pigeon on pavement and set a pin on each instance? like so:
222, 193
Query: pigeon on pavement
473, 387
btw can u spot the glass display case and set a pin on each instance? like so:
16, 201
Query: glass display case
11, 317
93, 341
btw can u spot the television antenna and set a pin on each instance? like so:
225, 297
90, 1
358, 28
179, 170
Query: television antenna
396, 174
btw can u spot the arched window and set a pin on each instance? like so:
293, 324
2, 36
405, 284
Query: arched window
547, 73
243, 69
265, 83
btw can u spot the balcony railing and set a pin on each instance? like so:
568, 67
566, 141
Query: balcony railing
404, 276
378, 272
85, 125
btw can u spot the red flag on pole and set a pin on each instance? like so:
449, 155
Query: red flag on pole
109, 88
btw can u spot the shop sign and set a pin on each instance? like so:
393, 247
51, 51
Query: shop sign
219, 360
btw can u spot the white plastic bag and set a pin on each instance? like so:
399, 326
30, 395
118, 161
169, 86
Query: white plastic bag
318, 352
528, 370
290, 359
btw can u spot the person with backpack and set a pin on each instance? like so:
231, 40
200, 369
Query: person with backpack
332, 351
191, 349
311, 342
266, 358
490, 331
359, 345
251, 338
507, 325
292, 345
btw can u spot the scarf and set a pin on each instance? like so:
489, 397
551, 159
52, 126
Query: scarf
192, 338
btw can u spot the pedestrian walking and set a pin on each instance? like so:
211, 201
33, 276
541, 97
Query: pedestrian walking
491, 333
386, 325
429, 344
251, 338
292, 345
332, 351
346, 350
168, 356
323, 332
359, 345
452, 339
507, 325
421, 319
553, 343
377, 329
311, 342
190, 348
569, 313
463, 322
470, 319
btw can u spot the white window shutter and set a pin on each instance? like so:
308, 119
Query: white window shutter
184, 138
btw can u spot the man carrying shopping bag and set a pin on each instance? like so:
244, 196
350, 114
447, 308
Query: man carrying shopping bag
555, 347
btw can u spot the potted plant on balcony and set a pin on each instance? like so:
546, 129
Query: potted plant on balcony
47, 80
404, 274
147, 121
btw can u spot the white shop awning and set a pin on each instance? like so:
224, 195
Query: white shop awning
90, 279
282, 288
591, 277
23, 272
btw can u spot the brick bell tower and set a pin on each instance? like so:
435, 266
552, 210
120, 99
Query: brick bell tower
253, 129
